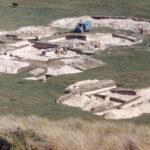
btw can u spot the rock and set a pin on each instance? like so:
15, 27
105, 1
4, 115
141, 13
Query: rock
62, 70
89, 85
38, 71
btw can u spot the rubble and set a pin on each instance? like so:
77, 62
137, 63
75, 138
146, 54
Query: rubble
37, 72
88, 85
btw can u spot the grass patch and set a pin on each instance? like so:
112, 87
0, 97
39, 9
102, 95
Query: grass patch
39, 12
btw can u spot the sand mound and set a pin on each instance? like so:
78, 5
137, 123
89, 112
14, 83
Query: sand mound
69, 22
88, 85
28, 32
83, 63
62, 70
8, 65
32, 31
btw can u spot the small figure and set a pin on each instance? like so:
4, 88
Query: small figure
43, 53
57, 52
140, 29
65, 50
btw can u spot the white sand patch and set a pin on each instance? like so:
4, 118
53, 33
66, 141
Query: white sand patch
69, 22
83, 63
28, 32
8, 65
62, 70
107, 40
84, 102
98, 41
140, 107
127, 112
36, 78
38, 71
144, 93
31, 31
123, 24
19, 44
52, 55
98, 97
28, 52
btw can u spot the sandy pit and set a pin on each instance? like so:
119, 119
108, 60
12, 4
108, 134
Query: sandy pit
70, 61
103, 98
96, 42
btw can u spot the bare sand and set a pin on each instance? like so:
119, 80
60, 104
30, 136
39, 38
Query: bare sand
97, 97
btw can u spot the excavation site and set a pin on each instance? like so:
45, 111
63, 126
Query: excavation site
74, 75
42, 52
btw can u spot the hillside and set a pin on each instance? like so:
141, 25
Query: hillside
33, 133
58, 88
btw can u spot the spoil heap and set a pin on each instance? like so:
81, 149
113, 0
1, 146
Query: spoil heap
89, 85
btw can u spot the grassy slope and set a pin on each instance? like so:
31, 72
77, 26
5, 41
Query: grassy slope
41, 11
34, 133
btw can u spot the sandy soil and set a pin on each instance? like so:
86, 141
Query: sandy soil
97, 41
28, 52
72, 61
96, 96
61, 70
124, 24
31, 31
10, 65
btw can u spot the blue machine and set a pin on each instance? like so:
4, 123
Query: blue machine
84, 26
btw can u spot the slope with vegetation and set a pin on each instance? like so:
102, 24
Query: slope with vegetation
33, 133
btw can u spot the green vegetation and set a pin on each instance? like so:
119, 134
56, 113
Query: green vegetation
37, 12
